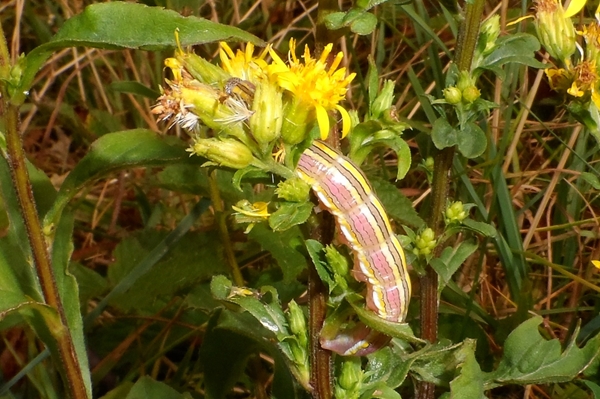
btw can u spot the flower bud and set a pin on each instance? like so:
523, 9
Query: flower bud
470, 94
452, 95
350, 377
555, 30
201, 69
338, 263
424, 242
384, 100
293, 190
224, 152
297, 322
490, 30
265, 123
296, 122
455, 213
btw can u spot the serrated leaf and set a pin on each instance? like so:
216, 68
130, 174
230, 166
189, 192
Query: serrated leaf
530, 359
290, 214
280, 246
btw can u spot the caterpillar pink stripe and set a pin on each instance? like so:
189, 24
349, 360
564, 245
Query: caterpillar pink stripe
378, 257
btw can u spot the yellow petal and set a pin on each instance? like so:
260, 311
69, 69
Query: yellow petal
574, 7
574, 90
346, 122
596, 264
516, 21
323, 120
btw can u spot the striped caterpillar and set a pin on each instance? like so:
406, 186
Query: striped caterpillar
378, 257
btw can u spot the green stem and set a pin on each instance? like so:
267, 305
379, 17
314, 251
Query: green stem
41, 254
9, 118
215, 198
467, 40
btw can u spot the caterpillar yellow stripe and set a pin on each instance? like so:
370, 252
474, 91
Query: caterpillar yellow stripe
379, 260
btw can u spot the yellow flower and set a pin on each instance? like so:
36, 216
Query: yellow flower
586, 79
315, 85
243, 64
596, 264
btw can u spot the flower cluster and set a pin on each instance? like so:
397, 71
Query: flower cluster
253, 104
577, 73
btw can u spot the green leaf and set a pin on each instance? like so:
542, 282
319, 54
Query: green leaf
515, 48
115, 151
451, 259
472, 140
196, 257
91, 284
316, 252
436, 363
128, 25
148, 388
364, 24
395, 330
386, 367
595, 388
267, 311
592, 179
335, 20
230, 338
62, 249
443, 135
530, 359
485, 229
290, 214
281, 246
469, 383
397, 205
133, 87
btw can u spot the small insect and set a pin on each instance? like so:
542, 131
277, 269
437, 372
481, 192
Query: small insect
379, 260
240, 89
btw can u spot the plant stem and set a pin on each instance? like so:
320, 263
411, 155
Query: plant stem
9, 118
40, 252
320, 359
215, 198
467, 40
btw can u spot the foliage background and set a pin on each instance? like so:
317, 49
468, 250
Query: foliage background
537, 183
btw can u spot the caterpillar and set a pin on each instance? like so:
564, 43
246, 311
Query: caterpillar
379, 260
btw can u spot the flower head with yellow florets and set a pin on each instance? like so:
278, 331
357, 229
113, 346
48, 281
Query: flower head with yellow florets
314, 85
